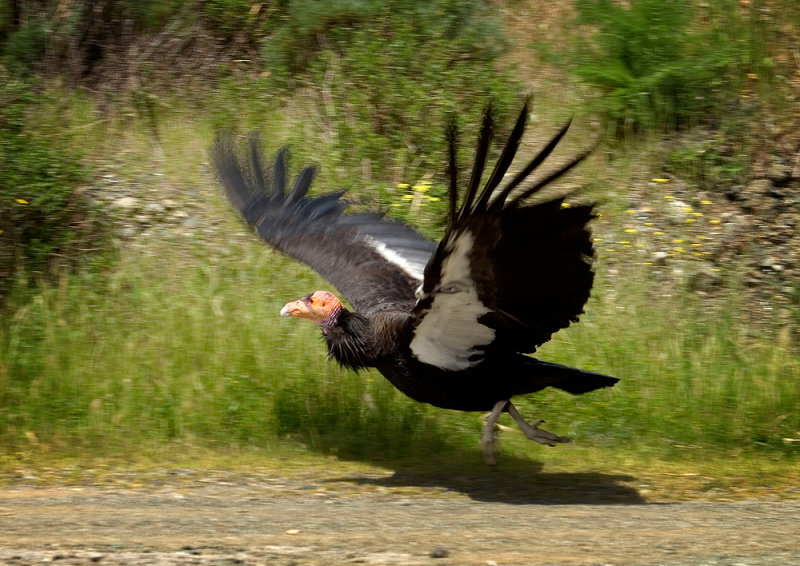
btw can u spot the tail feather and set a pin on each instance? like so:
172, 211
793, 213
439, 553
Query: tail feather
569, 379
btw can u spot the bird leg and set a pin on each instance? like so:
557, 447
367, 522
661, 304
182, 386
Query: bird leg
532, 431
489, 432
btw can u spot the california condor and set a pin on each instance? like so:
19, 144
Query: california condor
446, 324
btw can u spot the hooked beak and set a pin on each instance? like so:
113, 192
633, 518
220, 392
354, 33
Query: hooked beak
299, 308
316, 307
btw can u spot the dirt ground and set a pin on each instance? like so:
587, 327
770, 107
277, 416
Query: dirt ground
583, 519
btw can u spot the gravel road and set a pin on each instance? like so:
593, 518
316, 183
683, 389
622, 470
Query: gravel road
392, 519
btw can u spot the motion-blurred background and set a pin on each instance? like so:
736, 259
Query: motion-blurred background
140, 317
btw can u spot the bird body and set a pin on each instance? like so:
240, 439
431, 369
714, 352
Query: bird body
447, 324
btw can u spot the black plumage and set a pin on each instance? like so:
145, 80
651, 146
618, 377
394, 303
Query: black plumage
450, 324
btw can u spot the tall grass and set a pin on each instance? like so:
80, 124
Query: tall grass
196, 352
158, 352
692, 372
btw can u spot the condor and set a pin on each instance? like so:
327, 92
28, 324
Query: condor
447, 324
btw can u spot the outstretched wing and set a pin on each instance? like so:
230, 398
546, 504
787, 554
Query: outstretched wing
374, 262
507, 274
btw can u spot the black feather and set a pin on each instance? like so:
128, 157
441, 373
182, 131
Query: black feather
543, 154
530, 191
279, 176
505, 160
255, 164
452, 170
301, 185
484, 140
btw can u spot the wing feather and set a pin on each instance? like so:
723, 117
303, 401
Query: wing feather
507, 274
372, 261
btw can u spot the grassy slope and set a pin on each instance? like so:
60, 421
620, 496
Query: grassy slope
179, 345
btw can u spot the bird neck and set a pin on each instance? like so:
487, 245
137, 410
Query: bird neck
348, 339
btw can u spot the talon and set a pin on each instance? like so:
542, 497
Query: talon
533, 431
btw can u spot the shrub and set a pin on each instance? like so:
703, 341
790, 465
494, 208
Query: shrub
38, 180
665, 64
383, 73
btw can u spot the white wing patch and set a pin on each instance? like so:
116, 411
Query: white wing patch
449, 333
414, 269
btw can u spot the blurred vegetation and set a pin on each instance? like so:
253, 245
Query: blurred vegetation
177, 339
382, 73
200, 355
668, 65
42, 216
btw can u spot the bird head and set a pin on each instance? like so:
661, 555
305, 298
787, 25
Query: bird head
320, 307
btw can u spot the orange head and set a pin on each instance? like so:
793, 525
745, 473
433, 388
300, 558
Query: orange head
317, 307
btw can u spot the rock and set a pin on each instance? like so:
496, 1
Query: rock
154, 208
125, 203
126, 232
439, 552
660, 258
779, 171
192, 222
758, 187
705, 279
678, 212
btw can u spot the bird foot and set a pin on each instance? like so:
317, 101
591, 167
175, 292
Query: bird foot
533, 431
489, 436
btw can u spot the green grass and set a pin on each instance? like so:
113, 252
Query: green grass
191, 348
176, 345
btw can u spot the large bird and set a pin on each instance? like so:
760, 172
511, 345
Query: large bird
446, 324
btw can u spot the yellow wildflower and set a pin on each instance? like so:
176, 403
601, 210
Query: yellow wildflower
714, 221
630, 230
660, 180
21, 201
705, 202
